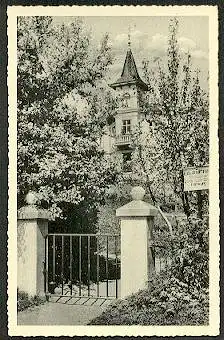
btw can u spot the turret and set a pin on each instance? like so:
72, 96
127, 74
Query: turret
130, 90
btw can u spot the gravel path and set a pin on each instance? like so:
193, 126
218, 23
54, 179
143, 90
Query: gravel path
63, 311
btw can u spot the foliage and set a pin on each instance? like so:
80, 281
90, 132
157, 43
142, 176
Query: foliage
191, 253
63, 106
176, 296
25, 301
188, 249
176, 109
166, 302
107, 220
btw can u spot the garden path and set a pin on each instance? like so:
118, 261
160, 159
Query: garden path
63, 311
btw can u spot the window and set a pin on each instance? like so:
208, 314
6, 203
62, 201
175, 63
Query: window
126, 128
125, 100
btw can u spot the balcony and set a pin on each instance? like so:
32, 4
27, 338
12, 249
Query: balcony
123, 139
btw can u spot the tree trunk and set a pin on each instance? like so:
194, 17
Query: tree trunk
185, 203
200, 204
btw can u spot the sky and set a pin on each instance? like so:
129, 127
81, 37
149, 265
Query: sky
149, 39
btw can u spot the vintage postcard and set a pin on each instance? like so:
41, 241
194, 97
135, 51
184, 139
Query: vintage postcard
113, 171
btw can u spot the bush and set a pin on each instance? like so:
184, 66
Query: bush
25, 301
167, 301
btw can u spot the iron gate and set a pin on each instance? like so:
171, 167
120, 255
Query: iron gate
82, 265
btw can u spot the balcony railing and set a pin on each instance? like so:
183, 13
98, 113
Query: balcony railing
123, 139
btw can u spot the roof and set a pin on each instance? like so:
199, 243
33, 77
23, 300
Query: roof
130, 74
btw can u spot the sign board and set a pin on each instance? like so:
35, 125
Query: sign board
196, 178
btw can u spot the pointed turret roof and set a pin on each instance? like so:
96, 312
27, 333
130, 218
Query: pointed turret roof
130, 74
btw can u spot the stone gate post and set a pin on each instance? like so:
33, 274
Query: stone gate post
137, 218
32, 227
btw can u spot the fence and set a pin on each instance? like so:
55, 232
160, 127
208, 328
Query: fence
82, 264
161, 258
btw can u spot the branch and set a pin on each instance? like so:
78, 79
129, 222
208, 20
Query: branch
146, 173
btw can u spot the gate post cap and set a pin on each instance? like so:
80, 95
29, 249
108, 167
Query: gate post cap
31, 198
137, 207
31, 210
137, 193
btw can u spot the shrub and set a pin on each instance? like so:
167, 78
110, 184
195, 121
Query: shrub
25, 301
167, 301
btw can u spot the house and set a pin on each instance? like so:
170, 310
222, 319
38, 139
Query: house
130, 92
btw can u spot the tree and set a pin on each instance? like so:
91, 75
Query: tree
177, 109
63, 106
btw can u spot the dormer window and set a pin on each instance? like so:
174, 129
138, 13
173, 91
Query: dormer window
126, 127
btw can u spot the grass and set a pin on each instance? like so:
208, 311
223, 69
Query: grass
25, 301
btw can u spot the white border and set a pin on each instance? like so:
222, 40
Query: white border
213, 328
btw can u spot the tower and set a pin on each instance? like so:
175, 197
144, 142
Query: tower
130, 90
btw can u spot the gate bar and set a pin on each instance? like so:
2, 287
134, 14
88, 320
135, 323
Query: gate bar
80, 264
116, 265
54, 258
46, 265
107, 266
71, 262
97, 266
62, 263
88, 249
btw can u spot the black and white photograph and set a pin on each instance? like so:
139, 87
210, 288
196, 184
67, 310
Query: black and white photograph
113, 171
